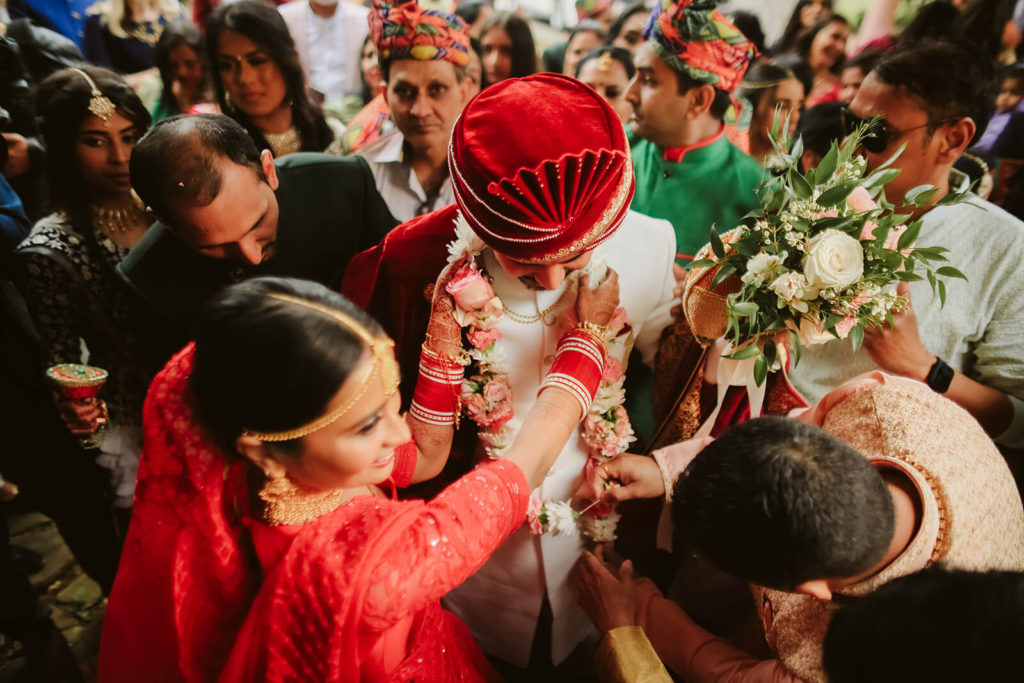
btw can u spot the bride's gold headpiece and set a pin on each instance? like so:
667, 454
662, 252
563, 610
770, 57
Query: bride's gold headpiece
383, 361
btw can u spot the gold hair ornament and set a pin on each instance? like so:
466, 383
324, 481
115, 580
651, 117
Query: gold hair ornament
604, 62
100, 105
383, 361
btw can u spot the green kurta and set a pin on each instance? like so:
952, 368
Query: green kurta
713, 185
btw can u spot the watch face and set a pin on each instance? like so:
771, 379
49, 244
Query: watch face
940, 376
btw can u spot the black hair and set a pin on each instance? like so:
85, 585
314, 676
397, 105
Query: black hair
982, 23
524, 55
62, 104
821, 125
1013, 72
174, 34
269, 365
177, 163
264, 26
947, 80
806, 39
469, 10
750, 26
937, 625
588, 26
615, 30
619, 54
779, 502
719, 106
763, 78
794, 28
865, 60
801, 69
937, 20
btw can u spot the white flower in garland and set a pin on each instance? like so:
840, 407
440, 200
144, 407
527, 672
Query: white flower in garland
601, 529
561, 518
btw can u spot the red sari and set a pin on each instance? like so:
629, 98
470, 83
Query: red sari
202, 593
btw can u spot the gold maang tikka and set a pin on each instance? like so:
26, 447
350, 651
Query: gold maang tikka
604, 62
100, 105
382, 350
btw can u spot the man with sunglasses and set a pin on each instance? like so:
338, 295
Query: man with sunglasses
932, 99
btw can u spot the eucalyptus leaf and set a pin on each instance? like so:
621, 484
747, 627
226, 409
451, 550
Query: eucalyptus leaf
836, 194
724, 272
699, 263
920, 195
942, 294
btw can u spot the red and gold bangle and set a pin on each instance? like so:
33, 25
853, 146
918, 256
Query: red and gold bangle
578, 367
438, 396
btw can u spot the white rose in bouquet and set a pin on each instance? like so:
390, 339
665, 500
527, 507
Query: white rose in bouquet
793, 288
834, 259
760, 266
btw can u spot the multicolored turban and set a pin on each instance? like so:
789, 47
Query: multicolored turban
588, 9
541, 168
695, 38
405, 31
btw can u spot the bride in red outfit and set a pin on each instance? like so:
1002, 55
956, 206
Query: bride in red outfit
267, 543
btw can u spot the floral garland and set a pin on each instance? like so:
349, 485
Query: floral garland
487, 390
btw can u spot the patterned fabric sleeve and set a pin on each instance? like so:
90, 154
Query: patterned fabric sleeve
55, 311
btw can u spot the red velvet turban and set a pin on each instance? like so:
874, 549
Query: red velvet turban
541, 168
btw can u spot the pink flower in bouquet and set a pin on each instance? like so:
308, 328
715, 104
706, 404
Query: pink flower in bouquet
844, 326
481, 338
868, 233
830, 213
860, 200
612, 369
533, 516
469, 289
892, 240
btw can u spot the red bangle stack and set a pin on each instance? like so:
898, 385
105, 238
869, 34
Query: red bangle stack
438, 396
578, 366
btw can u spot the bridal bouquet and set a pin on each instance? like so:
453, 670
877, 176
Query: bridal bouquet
822, 257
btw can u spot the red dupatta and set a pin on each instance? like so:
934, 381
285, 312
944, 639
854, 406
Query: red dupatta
188, 581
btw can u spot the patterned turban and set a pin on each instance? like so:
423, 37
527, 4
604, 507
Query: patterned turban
541, 168
591, 8
695, 38
405, 31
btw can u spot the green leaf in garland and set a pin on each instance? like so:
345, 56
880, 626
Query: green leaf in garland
856, 337
950, 271
716, 243
760, 370
909, 236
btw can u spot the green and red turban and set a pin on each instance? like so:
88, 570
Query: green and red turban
695, 38
406, 31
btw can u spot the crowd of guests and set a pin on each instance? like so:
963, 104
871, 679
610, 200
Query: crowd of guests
360, 277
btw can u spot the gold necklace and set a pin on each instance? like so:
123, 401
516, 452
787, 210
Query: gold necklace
286, 503
119, 220
544, 315
284, 143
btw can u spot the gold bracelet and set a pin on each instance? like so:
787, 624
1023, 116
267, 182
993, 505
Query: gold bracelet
599, 331
462, 359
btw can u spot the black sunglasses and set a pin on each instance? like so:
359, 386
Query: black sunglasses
878, 136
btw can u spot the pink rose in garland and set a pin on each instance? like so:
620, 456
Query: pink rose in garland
490, 403
481, 339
